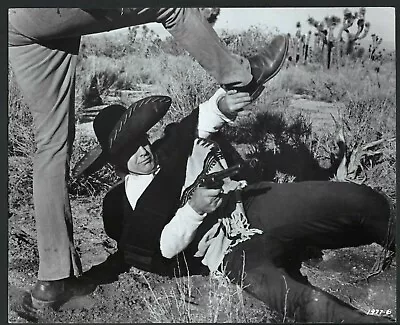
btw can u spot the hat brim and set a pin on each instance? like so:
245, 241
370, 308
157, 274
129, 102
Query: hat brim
133, 123
91, 162
140, 117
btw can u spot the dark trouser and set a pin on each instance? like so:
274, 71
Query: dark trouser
43, 49
294, 216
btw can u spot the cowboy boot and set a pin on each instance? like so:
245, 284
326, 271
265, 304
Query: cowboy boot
53, 294
265, 65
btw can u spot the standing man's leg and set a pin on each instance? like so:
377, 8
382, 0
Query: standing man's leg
189, 28
46, 75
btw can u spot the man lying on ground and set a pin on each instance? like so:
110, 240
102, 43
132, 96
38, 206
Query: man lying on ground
167, 221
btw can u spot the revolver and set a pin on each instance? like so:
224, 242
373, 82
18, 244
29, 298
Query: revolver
214, 180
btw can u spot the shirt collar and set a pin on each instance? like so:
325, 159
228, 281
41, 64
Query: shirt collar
155, 172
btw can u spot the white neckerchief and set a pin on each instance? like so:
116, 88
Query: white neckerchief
136, 184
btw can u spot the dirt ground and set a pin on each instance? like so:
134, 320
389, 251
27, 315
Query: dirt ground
137, 296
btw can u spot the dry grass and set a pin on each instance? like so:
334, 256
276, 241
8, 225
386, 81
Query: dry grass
198, 299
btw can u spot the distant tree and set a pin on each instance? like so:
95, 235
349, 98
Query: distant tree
376, 41
320, 39
331, 22
362, 27
307, 45
298, 42
325, 36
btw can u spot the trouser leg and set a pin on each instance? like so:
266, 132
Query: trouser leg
189, 28
292, 300
322, 214
293, 216
46, 76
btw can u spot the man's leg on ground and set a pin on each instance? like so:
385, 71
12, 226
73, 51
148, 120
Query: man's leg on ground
323, 214
291, 299
292, 215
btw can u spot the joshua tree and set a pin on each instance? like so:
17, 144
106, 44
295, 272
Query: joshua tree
307, 44
298, 42
328, 38
295, 44
331, 22
376, 41
320, 36
362, 28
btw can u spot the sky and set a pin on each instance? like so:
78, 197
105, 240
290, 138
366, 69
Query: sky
382, 20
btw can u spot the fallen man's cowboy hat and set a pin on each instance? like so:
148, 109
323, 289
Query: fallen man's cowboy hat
116, 128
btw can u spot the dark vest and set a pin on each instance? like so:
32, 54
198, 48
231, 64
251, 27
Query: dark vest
142, 227
138, 231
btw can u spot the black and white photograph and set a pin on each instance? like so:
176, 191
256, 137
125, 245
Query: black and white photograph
202, 165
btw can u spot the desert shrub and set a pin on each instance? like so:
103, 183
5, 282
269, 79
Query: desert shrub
98, 182
136, 40
111, 45
21, 147
338, 84
20, 186
369, 119
216, 298
328, 86
20, 135
110, 74
268, 130
185, 81
247, 42
95, 72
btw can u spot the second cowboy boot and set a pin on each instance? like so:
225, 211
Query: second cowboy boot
265, 65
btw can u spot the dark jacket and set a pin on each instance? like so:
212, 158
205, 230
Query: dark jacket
138, 231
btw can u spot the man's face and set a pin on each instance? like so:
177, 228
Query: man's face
142, 161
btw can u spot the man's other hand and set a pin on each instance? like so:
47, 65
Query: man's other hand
233, 102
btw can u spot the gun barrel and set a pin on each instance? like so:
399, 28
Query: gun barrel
228, 172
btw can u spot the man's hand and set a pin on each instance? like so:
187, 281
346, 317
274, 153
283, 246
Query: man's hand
206, 200
233, 102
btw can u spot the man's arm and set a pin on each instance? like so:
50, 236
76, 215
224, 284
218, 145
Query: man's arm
221, 108
180, 231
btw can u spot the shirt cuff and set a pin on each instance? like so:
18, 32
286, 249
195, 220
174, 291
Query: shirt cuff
188, 212
211, 119
179, 232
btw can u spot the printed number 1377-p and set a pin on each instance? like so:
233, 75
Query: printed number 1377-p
379, 312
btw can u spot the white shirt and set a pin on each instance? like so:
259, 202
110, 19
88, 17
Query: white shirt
210, 121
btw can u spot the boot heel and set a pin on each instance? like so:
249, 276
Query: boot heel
53, 304
40, 304
257, 93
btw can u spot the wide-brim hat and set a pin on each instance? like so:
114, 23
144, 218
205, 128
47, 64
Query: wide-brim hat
117, 128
